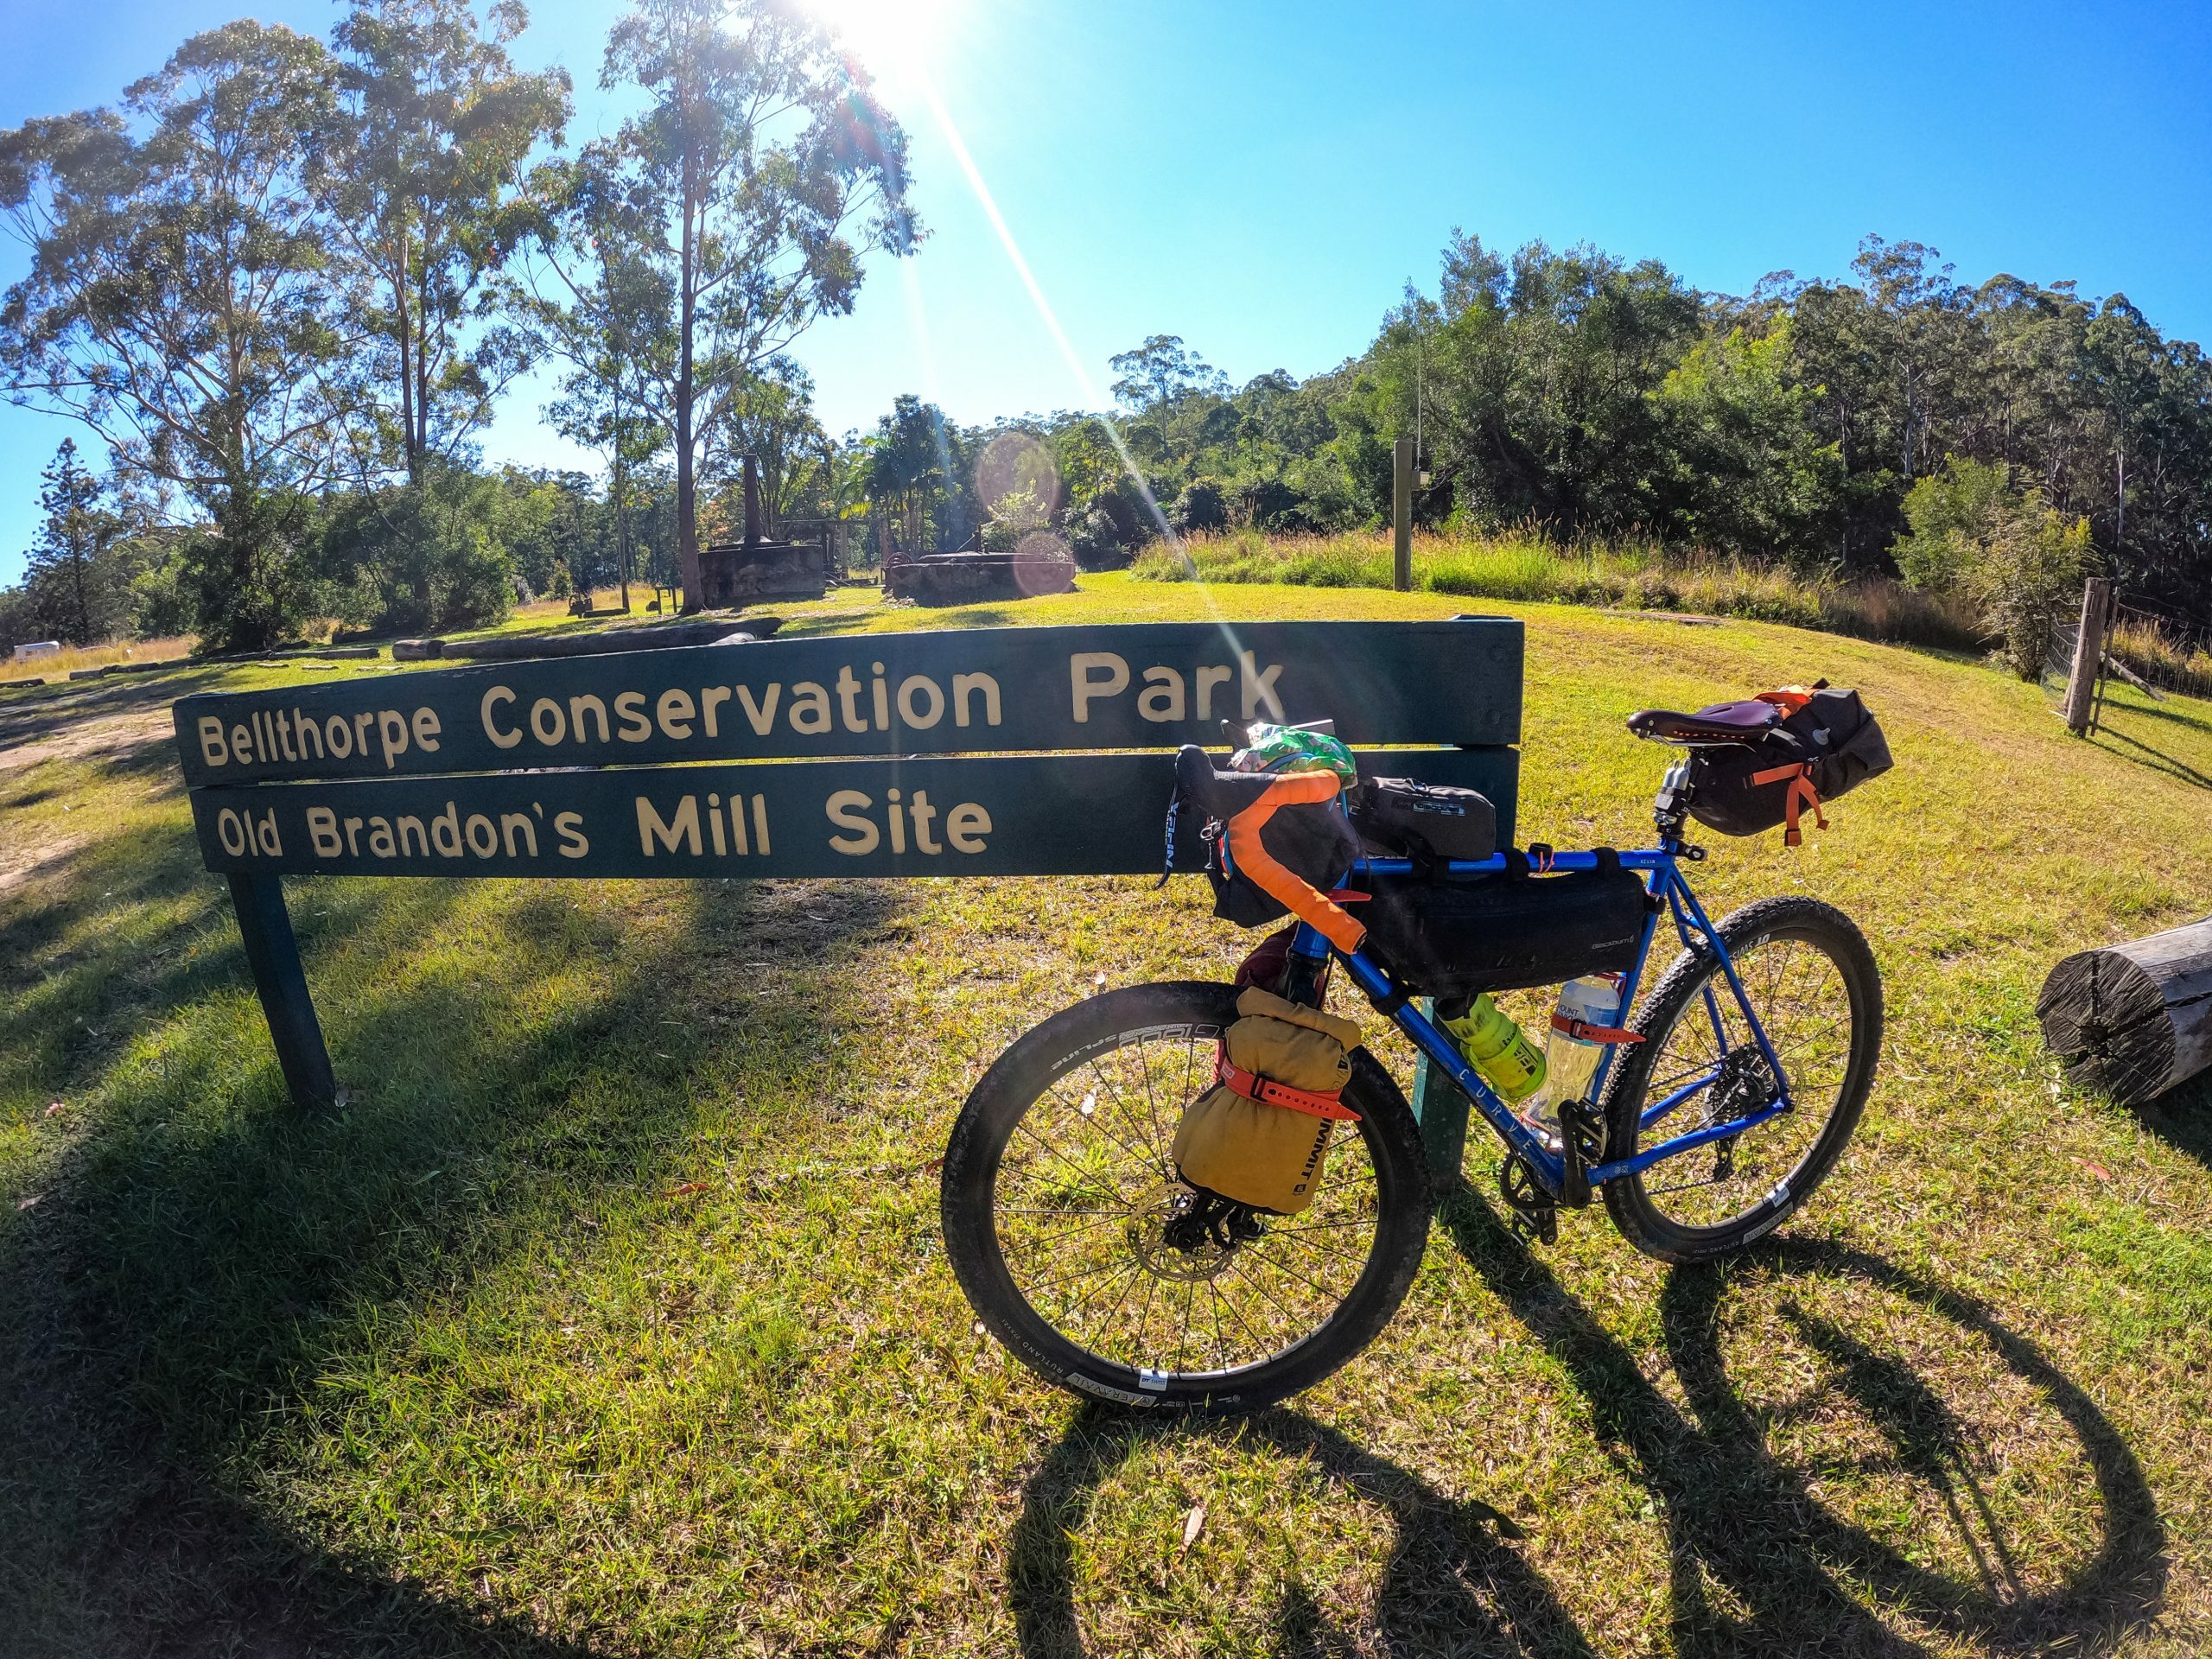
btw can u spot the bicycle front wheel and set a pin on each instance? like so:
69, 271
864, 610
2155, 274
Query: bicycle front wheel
1061, 1207
1810, 978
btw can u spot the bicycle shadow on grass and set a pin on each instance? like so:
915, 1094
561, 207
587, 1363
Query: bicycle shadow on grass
1759, 1554
1453, 1582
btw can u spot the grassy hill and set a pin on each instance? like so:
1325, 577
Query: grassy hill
612, 1316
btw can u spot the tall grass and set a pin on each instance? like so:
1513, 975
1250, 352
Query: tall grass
1619, 574
2162, 657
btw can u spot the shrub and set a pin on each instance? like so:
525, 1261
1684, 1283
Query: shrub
1521, 565
1096, 539
1200, 507
2017, 560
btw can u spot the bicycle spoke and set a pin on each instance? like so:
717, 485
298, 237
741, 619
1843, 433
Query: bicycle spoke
1802, 1009
1080, 1226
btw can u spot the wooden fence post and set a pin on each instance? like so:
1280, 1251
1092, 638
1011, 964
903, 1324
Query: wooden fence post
1401, 511
273, 955
2088, 653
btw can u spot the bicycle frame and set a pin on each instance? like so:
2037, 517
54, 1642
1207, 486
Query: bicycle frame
1662, 876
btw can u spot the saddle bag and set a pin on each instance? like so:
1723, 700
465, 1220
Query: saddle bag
1401, 817
1826, 745
1459, 937
1261, 1134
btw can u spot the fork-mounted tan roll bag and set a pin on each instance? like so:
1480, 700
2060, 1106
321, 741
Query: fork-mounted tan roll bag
1261, 1134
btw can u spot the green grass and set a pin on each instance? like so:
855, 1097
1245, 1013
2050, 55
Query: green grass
1619, 575
612, 1316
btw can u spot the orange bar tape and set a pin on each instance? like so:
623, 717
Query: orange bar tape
1309, 904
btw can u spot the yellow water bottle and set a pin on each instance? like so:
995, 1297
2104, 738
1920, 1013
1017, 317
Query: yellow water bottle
1495, 1046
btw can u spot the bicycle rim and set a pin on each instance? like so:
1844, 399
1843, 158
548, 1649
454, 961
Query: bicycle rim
1802, 998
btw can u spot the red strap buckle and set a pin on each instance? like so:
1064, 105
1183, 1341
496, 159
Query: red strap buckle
1583, 1032
1267, 1091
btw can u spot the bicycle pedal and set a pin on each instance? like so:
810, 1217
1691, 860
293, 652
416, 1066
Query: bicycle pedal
1582, 1143
1531, 1212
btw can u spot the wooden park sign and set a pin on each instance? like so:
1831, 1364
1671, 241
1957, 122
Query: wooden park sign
996, 751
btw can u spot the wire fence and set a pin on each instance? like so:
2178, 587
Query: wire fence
2159, 644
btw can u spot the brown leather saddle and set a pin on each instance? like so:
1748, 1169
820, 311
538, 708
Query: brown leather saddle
1720, 722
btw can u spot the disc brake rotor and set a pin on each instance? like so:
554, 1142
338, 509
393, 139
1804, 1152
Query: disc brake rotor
1175, 1238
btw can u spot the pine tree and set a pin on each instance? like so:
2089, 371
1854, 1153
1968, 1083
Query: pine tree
78, 590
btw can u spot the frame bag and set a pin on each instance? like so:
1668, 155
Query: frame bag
1462, 937
1826, 745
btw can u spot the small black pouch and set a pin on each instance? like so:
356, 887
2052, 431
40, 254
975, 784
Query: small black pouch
1742, 789
1401, 817
1460, 937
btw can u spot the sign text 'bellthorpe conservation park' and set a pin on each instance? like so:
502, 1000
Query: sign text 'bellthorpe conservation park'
862, 754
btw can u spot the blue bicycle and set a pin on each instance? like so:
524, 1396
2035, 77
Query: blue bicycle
1713, 1115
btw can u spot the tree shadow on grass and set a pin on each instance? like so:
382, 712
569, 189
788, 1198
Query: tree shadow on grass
1454, 1583
204, 1253
1756, 1553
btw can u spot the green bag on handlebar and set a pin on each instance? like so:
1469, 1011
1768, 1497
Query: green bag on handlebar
1261, 1134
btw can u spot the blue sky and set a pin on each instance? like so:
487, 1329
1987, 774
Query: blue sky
1262, 177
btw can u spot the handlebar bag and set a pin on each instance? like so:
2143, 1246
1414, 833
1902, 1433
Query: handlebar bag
1400, 818
1460, 937
1825, 747
1261, 1134
1315, 841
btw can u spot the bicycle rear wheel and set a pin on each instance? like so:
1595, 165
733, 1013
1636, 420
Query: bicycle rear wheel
1059, 1204
1809, 975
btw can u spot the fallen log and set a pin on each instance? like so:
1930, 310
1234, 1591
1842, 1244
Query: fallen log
2134, 1020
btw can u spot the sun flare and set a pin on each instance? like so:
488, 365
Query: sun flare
882, 32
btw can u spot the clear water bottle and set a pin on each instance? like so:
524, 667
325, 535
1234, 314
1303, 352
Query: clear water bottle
1571, 1061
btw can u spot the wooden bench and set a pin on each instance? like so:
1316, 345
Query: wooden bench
984, 753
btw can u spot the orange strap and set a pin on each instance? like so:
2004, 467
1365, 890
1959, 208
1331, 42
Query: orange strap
1267, 1091
1309, 904
1787, 698
1583, 1032
1801, 795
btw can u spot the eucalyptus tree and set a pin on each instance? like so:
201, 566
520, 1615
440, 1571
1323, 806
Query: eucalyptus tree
594, 303
180, 301
767, 169
421, 164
